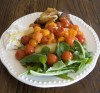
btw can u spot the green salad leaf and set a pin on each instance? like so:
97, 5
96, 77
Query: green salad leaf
79, 48
64, 76
45, 50
57, 66
34, 58
89, 60
81, 57
70, 62
82, 65
36, 68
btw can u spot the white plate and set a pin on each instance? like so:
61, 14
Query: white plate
15, 68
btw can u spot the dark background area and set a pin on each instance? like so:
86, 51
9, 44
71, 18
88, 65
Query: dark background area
88, 10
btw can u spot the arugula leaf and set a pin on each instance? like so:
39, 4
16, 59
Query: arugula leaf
89, 60
76, 55
70, 62
88, 54
79, 48
64, 46
42, 58
82, 65
36, 68
35, 58
64, 76
57, 66
74, 66
28, 69
61, 47
45, 50
58, 72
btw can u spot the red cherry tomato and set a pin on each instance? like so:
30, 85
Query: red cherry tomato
80, 38
51, 28
67, 56
60, 29
51, 59
60, 32
64, 22
20, 54
29, 49
25, 39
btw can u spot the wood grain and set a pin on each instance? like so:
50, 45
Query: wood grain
88, 10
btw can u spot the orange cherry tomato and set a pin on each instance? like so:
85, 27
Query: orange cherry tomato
37, 36
25, 39
60, 39
70, 40
44, 40
75, 27
66, 34
80, 38
51, 37
20, 54
29, 49
67, 56
51, 59
33, 43
45, 32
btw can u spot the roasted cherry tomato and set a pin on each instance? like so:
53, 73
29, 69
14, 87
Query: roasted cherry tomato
25, 39
44, 40
51, 59
33, 43
64, 22
67, 56
20, 54
75, 27
80, 38
70, 40
29, 49
60, 32
37, 36
51, 28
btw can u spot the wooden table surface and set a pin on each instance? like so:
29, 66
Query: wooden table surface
88, 10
